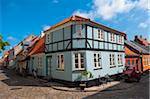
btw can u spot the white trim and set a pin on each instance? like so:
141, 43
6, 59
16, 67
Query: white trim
98, 61
120, 59
101, 34
60, 64
79, 63
112, 59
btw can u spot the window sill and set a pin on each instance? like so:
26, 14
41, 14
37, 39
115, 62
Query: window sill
60, 69
100, 39
78, 70
97, 68
120, 65
112, 66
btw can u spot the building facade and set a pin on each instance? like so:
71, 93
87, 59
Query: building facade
78, 44
21, 52
132, 59
37, 60
136, 56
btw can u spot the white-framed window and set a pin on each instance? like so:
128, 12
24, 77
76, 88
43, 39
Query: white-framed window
79, 61
100, 34
112, 60
97, 60
60, 61
112, 37
39, 62
120, 59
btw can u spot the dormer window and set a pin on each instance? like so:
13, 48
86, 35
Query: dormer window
100, 34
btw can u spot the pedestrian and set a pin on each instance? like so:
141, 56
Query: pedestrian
34, 72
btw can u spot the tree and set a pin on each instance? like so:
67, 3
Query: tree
3, 44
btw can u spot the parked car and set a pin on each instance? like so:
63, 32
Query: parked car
130, 74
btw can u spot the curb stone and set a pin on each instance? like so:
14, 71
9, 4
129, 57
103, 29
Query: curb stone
91, 89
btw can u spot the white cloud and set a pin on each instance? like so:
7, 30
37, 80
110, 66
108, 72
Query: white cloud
84, 14
108, 9
55, 1
143, 4
10, 38
144, 24
45, 27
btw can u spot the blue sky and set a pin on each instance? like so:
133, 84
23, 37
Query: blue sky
19, 18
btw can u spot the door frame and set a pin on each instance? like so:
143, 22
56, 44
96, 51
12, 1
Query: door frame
48, 72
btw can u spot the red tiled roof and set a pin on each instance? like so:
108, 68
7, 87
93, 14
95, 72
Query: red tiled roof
38, 47
144, 42
79, 18
72, 18
129, 52
34, 39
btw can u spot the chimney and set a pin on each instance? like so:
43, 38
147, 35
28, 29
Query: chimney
141, 36
135, 37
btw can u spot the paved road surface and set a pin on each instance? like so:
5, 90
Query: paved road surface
125, 91
13, 86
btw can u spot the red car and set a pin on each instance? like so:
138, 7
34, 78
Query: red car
131, 75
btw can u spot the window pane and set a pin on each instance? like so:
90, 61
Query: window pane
76, 60
82, 56
95, 64
82, 60
76, 65
99, 64
76, 55
129, 62
82, 65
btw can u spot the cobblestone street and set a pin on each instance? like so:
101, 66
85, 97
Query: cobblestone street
13, 86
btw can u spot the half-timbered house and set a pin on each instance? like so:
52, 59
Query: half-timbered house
77, 44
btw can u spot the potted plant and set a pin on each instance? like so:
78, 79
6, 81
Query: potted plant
85, 74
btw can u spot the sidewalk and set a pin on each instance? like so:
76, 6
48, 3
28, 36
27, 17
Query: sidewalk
90, 89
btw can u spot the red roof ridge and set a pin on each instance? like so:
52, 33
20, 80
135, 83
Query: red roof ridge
80, 18
72, 18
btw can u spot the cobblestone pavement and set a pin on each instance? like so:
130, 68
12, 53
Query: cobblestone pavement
125, 91
13, 86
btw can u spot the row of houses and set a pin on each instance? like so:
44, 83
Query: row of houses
78, 44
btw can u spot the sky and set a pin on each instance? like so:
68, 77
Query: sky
20, 18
